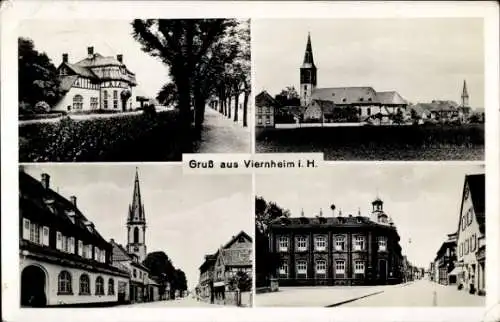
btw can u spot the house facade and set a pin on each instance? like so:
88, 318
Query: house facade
471, 240
364, 102
206, 280
265, 106
446, 258
337, 250
63, 258
95, 83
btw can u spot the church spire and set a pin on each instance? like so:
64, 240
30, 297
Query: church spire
465, 95
308, 56
136, 209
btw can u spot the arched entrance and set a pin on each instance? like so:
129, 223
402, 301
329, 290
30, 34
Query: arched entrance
33, 282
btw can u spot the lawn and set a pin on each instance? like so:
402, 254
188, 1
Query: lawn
434, 142
129, 138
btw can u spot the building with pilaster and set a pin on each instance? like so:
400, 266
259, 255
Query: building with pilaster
337, 249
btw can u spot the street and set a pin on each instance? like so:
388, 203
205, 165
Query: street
223, 135
187, 301
421, 293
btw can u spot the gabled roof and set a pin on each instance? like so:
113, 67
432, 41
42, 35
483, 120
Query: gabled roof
390, 98
119, 252
346, 95
236, 237
263, 99
79, 70
35, 196
67, 82
99, 60
477, 192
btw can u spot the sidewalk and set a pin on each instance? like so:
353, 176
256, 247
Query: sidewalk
222, 135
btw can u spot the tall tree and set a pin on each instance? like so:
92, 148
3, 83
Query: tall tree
288, 97
38, 80
168, 94
182, 44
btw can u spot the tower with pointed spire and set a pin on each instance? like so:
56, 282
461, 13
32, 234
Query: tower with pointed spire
465, 96
308, 74
136, 223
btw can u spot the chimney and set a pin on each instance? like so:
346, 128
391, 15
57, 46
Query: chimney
45, 180
73, 200
119, 57
90, 51
65, 58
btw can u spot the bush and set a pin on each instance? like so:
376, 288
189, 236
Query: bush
128, 138
149, 110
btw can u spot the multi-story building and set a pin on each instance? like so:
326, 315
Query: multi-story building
95, 83
264, 115
471, 240
63, 258
337, 250
445, 258
206, 280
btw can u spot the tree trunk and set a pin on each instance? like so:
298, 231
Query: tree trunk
245, 108
229, 107
199, 113
236, 102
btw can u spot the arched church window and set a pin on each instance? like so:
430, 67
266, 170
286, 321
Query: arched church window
136, 235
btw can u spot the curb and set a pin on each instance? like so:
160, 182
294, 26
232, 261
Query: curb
354, 299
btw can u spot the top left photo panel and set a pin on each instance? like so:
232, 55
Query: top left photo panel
133, 90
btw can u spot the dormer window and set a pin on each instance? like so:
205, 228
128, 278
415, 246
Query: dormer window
71, 215
361, 99
369, 99
343, 99
90, 226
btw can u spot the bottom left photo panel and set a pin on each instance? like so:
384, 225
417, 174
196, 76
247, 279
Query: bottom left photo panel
145, 235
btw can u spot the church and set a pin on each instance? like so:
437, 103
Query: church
95, 83
344, 104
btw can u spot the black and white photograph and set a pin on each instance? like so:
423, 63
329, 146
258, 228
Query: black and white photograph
372, 236
138, 90
370, 89
134, 237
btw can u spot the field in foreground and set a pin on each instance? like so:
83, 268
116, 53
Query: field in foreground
127, 138
432, 143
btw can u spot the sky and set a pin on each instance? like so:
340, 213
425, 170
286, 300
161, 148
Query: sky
108, 37
187, 216
423, 200
420, 58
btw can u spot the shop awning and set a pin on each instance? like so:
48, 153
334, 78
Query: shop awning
455, 271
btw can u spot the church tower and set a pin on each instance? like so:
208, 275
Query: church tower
465, 96
307, 75
136, 223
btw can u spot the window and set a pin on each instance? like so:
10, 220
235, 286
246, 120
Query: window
466, 250
64, 283
77, 102
301, 244
115, 99
359, 243
382, 243
259, 120
359, 267
111, 287
259, 109
99, 286
45, 236
339, 267
369, 111
283, 244
94, 103
103, 256
80, 248
339, 243
320, 243
268, 109
473, 244
301, 269
135, 272
321, 268
84, 284
105, 94
71, 245
464, 223
136, 235
35, 233
469, 216
268, 119
283, 270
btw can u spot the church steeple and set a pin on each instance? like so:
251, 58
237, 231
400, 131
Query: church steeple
136, 223
465, 95
308, 73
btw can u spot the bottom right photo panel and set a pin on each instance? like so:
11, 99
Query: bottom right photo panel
371, 235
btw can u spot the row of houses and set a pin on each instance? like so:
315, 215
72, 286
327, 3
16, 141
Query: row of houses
460, 260
226, 275
65, 261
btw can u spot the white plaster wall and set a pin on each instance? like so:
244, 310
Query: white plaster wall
68, 99
51, 284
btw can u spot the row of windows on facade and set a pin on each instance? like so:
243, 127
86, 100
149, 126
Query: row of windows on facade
38, 234
469, 245
232, 272
268, 119
320, 268
320, 243
65, 285
260, 109
94, 102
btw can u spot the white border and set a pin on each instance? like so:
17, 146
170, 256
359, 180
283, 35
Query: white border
13, 12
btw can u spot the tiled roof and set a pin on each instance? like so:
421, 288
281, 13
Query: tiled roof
99, 60
309, 222
50, 203
67, 82
346, 95
263, 99
236, 237
390, 98
119, 252
81, 70
477, 192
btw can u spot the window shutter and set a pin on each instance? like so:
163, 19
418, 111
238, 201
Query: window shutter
80, 248
45, 236
103, 256
26, 229
58, 240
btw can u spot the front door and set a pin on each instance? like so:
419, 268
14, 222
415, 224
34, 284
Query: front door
382, 270
33, 287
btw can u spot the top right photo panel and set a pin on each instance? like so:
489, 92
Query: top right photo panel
370, 89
